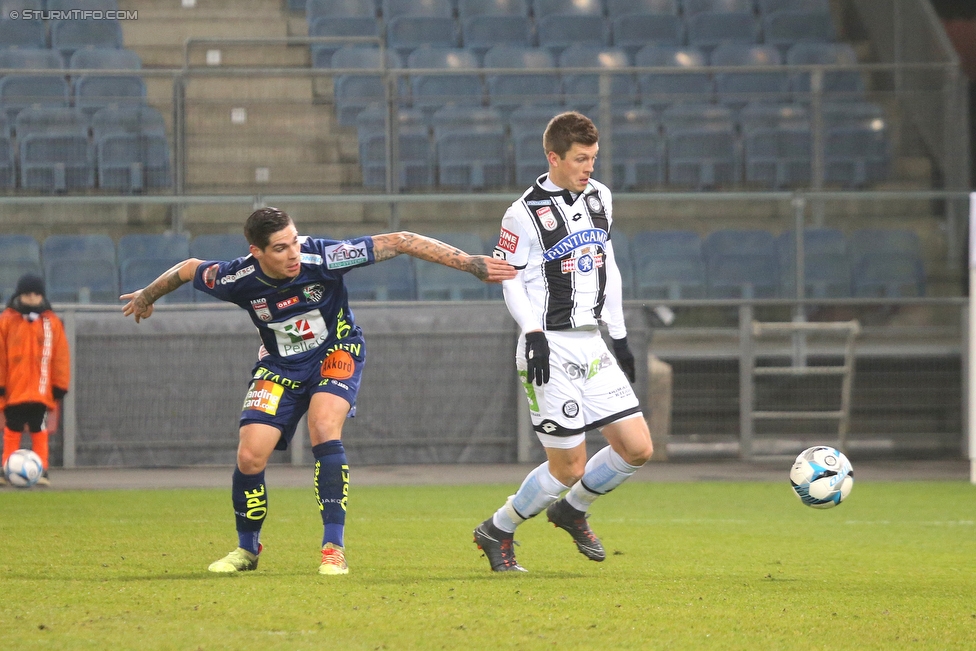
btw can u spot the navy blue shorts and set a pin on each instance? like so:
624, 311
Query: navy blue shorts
279, 396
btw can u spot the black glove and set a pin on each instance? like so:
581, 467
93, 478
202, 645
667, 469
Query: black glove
537, 354
625, 358
58, 393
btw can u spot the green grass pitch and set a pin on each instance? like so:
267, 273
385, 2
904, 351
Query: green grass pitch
690, 566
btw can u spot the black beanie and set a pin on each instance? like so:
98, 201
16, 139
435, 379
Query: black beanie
29, 283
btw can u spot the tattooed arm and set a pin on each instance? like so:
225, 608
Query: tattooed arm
140, 302
484, 267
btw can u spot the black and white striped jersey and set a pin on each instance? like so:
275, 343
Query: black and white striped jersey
561, 245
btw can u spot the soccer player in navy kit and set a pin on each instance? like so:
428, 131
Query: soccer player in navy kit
311, 358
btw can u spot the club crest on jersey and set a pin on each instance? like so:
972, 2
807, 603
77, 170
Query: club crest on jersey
313, 293
547, 219
260, 307
210, 276
594, 204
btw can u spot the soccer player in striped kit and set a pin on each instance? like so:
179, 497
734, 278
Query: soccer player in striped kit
558, 236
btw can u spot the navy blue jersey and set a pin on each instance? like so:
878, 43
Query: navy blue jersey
295, 317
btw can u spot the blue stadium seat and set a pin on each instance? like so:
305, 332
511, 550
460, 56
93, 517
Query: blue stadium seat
582, 91
617, 8
736, 89
506, 92
826, 271
30, 58
708, 30
658, 90
22, 33
430, 92
472, 151
139, 272
315, 9
17, 92
19, 254
436, 282
631, 32
625, 261
637, 150
837, 84
741, 264
543, 8
694, 116
80, 268
338, 26
406, 33
133, 162
219, 246
94, 92
397, 8
762, 115
50, 120
127, 119
703, 158
772, 6
857, 147
354, 92
94, 58
8, 168
778, 144
54, 162
415, 153
153, 245
556, 32
694, 7
886, 263
527, 123
390, 280
471, 8
70, 35
481, 33
668, 265
786, 28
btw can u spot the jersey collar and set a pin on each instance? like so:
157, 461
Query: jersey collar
543, 183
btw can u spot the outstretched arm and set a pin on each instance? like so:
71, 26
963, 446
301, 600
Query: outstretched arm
140, 302
486, 268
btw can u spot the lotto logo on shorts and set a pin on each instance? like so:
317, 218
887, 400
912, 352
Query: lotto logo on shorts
264, 396
508, 241
339, 365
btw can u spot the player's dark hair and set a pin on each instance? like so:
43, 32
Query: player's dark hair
566, 129
263, 223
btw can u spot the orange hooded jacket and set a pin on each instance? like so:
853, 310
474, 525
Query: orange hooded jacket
34, 358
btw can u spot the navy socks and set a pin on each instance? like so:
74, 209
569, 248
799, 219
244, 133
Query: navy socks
331, 489
250, 497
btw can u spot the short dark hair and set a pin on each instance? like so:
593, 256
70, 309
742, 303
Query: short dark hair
566, 129
263, 223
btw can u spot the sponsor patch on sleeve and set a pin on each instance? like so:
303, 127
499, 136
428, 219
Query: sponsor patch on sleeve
345, 254
508, 241
210, 276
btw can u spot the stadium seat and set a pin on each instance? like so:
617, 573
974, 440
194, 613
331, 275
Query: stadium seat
54, 162
772, 6
625, 261
315, 9
616, 8
336, 26
415, 153
481, 33
20, 91
709, 30
70, 35
631, 32
50, 120
354, 92
693, 116
857, 148
779, 157
527, 123
144, 256
741, 264
658, 90
127, 119
736, 89
19, 254
30, 58
761, 115
390, 280
104, 59
637, 150
397, 8
582, 91
543, 8
133, 162
837, 84
507, 92
22, 33
786, 28
139, 272
704, 157
694, 7
886, 263
472, 151
431, 92
556, 32
406, 33
668, 265
436, 282
94, 92
471, 8
826, 271
80, 268
219, 246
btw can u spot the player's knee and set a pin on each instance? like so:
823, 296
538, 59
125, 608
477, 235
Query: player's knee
642, 454
249, 461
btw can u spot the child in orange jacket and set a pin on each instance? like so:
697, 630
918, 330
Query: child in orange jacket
35, 366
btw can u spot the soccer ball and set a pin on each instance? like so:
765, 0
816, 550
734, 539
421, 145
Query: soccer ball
23, 468
822, 477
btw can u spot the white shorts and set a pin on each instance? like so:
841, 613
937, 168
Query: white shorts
586, 389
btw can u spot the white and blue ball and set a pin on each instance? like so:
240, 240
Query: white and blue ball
23, 468
822, 477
